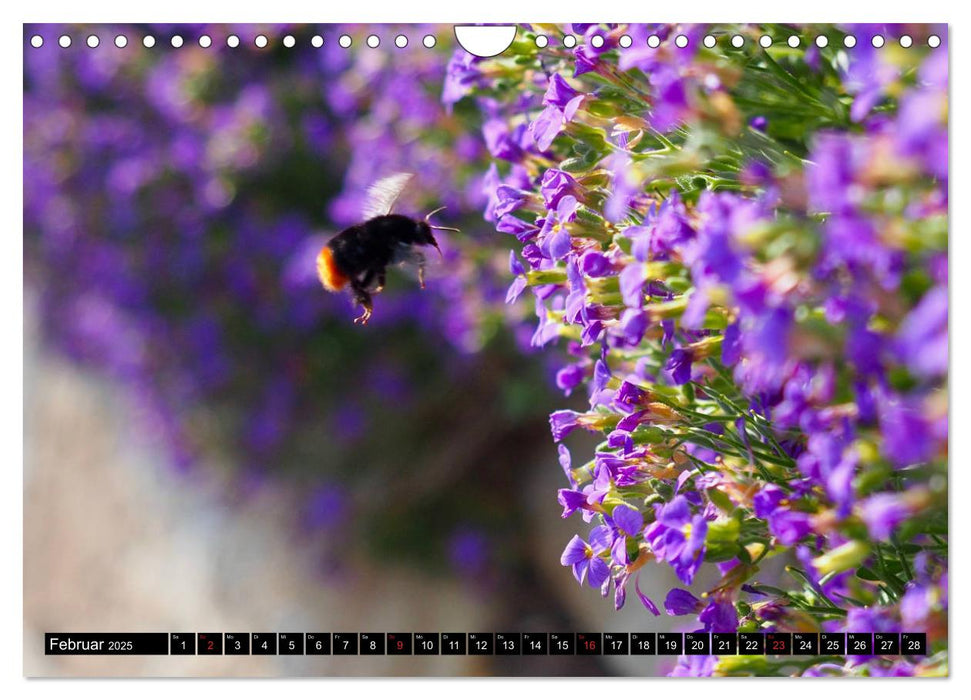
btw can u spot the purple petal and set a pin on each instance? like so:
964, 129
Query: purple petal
647, 602
599, 571
575, 552
681, 602
628, 519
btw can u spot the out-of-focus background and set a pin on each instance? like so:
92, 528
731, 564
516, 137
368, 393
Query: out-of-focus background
210, 443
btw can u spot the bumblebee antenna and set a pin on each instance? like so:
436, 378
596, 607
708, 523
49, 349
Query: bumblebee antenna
432, 213
439, 228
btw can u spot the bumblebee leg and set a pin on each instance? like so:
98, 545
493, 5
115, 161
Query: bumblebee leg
362, 297
420, 261
381, 281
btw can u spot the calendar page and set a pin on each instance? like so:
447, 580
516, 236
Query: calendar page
485, 350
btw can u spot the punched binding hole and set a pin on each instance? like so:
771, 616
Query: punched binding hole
822, 42
625, 42
401, 41
933, 41
121, 41
344, 41
373, 41
542, 42
177, 41
232, 41
765, 41
569, 41
317, 41
289, 41
709, 41
64, 41
849, 41
261, 41
429, 41
205, 41
653, 41
681, 41
738, 41
148, 41
37, 41
93, 41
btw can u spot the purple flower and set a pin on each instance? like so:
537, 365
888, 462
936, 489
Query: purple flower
559, 93
626, 186
628, 520
694, 666
633, 325
670, 105
681, 602
621, 440
632, 281
545, 128
678, 537
587, 55
596, 264
765, 342
921, 341
571, 500
517, 227
519, 283
630, 396
569, 377
500, 141
787, 525
907, 434
561, 102
916, 605
731, 345
883, 512
585, 558
562, 423
719, 616
678, 366
555, 237
557, 184
868, 73
461, 76
508, 199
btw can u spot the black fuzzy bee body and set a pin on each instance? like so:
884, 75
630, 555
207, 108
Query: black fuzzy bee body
358, 257
369, 248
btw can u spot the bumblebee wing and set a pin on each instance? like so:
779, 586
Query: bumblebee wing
382, 195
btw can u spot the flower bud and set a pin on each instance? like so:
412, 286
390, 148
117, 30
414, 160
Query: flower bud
847, 556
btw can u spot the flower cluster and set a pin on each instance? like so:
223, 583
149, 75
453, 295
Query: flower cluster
744, 251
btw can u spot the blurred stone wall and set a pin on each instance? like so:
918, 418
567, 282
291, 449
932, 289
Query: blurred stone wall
115, 541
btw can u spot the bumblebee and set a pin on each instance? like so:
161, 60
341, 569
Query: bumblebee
358, 257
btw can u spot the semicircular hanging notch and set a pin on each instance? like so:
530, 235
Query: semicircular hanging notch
485, 41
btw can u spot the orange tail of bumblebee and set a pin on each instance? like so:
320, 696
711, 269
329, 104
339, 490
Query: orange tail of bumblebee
330, 275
